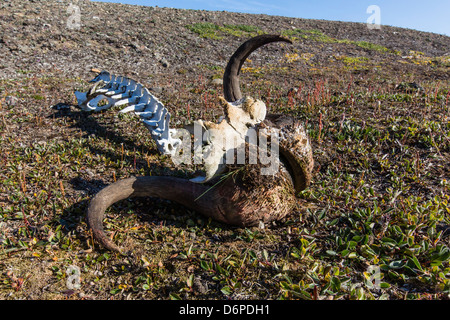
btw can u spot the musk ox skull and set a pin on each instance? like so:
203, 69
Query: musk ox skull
244, 196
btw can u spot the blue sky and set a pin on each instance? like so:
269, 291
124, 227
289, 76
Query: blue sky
431, 15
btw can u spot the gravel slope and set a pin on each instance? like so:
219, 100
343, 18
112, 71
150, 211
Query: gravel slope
141, 41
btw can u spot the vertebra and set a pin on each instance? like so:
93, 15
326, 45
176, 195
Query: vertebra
121, 91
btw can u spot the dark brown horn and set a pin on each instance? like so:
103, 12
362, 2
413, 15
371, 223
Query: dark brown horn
231, 89
170, 188
235, 200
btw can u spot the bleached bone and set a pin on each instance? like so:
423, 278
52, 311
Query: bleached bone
121, 91
244, 198
228, 134
240, 116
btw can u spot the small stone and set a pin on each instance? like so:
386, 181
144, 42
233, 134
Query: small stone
24, 48
217, 82
164, 63
200, 285
409, 87
11, 101
292, 91
156, 90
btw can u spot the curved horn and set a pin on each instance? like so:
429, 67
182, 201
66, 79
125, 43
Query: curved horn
233, 200
295, 149
231, 90
170, 188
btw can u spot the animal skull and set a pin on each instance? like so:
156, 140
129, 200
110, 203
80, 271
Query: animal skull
229, 133
121, 91
249, 198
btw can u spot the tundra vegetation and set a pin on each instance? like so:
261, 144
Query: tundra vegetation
378, 118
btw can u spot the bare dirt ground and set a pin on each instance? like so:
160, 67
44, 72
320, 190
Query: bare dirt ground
376, 105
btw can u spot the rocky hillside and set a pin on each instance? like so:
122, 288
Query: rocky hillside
149, 41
